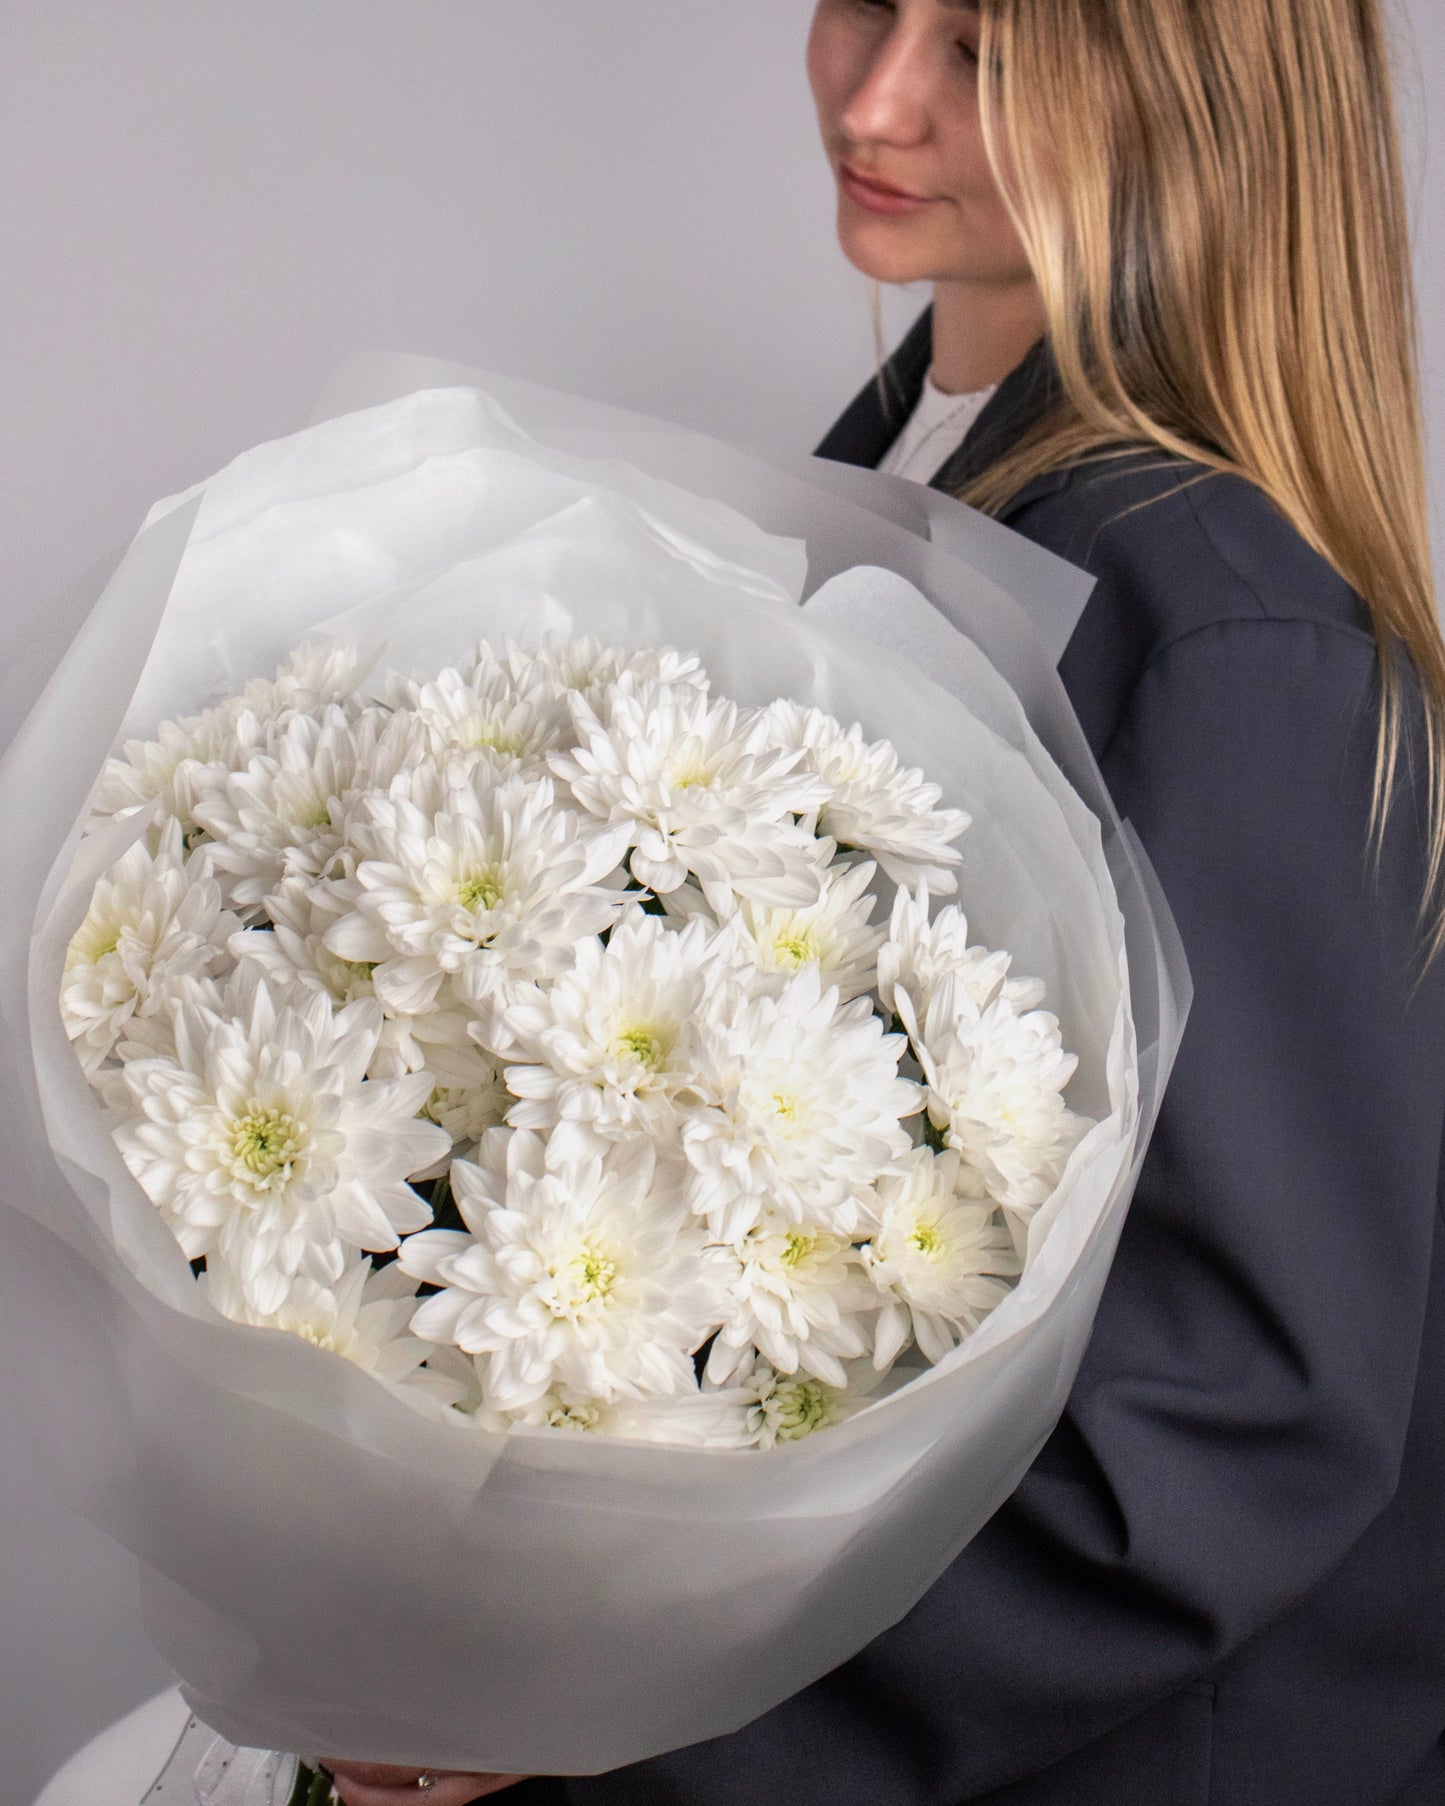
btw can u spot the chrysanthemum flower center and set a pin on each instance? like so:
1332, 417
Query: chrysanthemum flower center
482, 889
574, 1417
487, 731
926, 1239
106, 941
799, 1247
308, 1332
800, 1407
646, 1044
786, 1106
317, 816
691, 769
352, 978
796, 946
591, 1275
266, 1142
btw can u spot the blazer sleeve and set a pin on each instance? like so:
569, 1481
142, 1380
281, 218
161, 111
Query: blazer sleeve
1241, 1411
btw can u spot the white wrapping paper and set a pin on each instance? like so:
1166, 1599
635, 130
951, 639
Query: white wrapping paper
328, 1571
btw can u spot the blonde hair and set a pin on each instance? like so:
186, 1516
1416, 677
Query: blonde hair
1210, 195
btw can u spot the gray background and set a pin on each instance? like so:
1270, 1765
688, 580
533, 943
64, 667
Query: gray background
206, 206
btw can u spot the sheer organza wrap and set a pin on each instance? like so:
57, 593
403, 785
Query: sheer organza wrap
326, 1569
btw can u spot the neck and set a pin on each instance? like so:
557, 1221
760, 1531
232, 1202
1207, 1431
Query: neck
981, 333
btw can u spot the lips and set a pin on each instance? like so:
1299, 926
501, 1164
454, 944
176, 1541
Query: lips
877, 196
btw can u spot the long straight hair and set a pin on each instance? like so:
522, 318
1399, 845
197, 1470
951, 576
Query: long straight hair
1210, 195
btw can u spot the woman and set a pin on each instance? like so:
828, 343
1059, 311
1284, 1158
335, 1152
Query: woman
1224, 1578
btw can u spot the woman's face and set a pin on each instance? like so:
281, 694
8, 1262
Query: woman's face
896, 87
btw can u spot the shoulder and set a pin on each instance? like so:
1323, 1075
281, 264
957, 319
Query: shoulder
1181, 552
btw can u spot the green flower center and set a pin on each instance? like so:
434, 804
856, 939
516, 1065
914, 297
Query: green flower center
926, 1239
590, 1275
482, 890
267, 1142
690, 770
350, 978
484, 731
800, 1407
644, 1044
597, 1274
308, 1332
796, 946
798, 1249
574, 1417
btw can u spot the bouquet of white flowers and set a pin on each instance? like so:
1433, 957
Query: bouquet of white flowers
492, 965
605, 949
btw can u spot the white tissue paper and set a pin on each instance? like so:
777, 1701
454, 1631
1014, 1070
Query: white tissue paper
329, 1571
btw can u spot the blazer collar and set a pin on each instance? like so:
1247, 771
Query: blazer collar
864, 431
875, 417
1021, 399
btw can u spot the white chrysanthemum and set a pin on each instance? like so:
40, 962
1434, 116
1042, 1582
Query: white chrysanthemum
276, 818
185, 762
588, 668
450, 1386
805, 1109
469, 1094
365, 1317
782, 1408
995, 1084
918, 955
312, 678
293, 950
712, 1420
142, 1038
293, 953
393, 756
191, 757
942, 1260
613, 1043
150, 924
834, 934
581, 1270
800, 1297
260, 1139
500, 884
701, 792
487, 713
873, 803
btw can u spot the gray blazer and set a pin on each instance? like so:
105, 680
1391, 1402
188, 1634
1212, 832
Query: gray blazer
1223, 1581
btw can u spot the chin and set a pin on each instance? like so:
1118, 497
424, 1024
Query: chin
886, 251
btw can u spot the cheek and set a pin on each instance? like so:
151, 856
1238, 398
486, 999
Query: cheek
970, 180
961, 151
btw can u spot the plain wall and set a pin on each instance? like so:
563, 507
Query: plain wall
204, 207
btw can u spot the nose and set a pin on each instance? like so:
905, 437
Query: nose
891, 103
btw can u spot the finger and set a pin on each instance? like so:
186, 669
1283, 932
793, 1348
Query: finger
373, 1784
373, 1774
455, 1790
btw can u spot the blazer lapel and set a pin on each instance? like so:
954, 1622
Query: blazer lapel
871, 422
1021, 399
